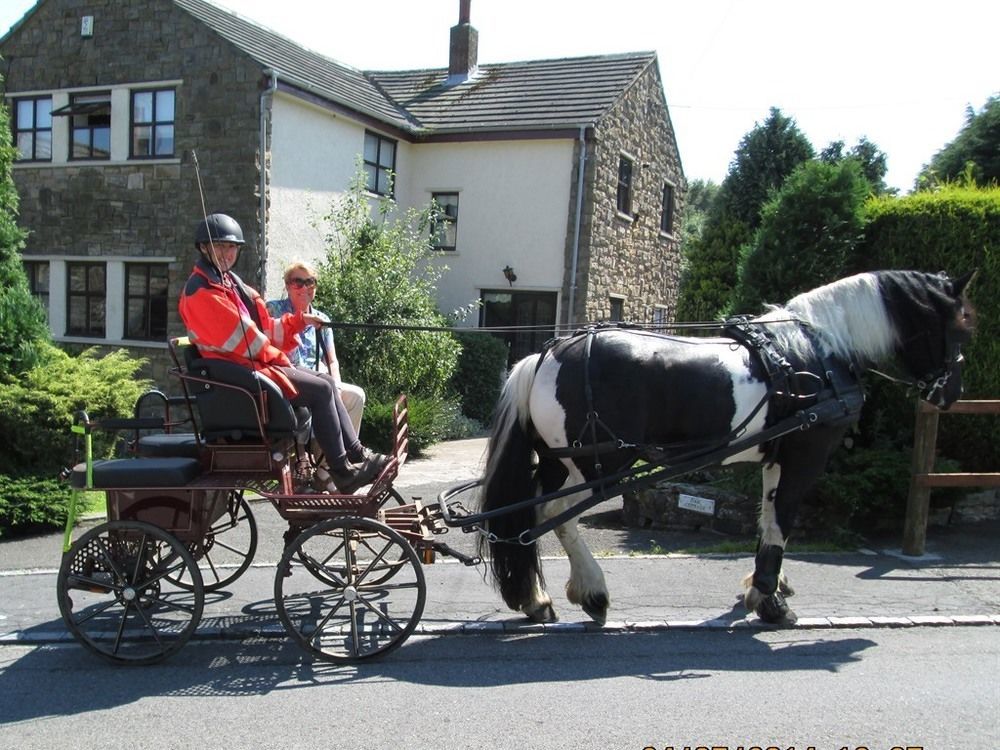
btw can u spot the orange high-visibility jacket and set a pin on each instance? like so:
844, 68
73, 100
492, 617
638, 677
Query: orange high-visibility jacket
226, 319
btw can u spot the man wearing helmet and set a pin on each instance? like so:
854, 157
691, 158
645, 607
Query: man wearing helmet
228, 320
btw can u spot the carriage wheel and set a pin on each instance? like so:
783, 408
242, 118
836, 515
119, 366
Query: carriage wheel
228, 547
390, 567
116, 593
390, 498
355, 613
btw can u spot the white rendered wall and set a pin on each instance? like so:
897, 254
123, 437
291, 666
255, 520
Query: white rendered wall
313, 155
513, 199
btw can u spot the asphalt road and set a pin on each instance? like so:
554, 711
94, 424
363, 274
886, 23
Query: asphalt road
932, 688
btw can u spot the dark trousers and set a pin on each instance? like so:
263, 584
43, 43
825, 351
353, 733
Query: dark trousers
331, 423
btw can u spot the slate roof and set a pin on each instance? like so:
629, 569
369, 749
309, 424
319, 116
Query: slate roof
297, 65
540, 94
534, 95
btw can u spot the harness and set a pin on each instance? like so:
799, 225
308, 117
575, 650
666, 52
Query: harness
796, 401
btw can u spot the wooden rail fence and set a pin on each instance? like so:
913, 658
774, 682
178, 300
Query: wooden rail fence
924, 478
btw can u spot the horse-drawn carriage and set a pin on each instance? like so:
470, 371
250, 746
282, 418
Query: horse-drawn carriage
349, 585
571, 425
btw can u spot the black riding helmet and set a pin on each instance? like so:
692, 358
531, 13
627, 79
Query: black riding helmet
218, 228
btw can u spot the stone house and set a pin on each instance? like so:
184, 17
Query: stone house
561, 178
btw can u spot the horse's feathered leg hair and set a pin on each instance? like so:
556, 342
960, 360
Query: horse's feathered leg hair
510, 477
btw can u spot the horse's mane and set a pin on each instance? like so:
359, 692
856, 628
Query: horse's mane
849, 316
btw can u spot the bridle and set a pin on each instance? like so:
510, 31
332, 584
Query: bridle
932, 383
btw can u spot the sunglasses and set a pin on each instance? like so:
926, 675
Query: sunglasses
299, 283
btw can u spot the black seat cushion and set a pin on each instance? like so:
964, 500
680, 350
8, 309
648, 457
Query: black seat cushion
165, 445
138, 472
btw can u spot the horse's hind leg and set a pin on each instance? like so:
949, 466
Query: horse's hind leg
586, 585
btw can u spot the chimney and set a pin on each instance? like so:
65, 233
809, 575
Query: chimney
464, 49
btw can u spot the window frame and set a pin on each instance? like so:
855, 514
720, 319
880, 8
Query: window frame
32, 270
384, 173
92, 299
616, 308
447, 225
95, 106
148, 301
154, 124
625, 184
34, 130
668, 208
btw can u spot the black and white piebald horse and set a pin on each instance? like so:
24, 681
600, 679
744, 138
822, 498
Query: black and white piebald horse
779, 390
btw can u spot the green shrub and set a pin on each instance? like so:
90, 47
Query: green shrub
376, 273
32, 503
431, 420
36, 413
480, 374
955, 229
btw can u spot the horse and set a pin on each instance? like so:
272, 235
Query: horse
780, 390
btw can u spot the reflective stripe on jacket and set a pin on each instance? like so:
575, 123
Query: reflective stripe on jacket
226, 319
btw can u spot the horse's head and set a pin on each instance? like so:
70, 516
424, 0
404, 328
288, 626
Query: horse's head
934, 319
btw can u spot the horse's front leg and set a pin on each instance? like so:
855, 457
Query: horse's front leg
586, 585
767, 586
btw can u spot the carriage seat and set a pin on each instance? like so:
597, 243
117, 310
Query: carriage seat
228, 394
169, 444
137, 472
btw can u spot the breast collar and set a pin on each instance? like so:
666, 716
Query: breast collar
792, 390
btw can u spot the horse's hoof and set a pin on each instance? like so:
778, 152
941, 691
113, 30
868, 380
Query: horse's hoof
784, 586
541, 613
596, 606
775, 610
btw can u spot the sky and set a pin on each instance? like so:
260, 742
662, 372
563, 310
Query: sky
901, 73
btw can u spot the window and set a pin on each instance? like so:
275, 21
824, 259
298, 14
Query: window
660, 316
667, 214
145, 301
530, 315
90, 116
33, 129
85, 299
38, 281
617, 309
152, 124
625, 186
380, 163
444, 231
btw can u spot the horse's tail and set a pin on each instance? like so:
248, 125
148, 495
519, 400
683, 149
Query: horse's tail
509, 478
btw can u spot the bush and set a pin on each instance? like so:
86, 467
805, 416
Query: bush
32, 503
23, 329
36, 413
376, 275
807, 235
431, 420
955, 229
480, 374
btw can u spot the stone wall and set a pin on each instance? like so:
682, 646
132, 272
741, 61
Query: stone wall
621, 256
141, 208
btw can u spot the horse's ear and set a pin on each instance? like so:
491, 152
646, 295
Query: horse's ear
959, 284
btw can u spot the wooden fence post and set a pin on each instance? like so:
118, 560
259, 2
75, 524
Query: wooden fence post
919, 499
